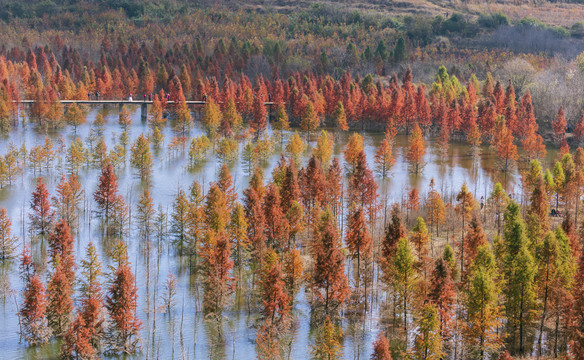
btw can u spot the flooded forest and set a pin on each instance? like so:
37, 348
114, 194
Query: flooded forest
348, 189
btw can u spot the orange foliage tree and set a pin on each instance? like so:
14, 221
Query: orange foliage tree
416, 150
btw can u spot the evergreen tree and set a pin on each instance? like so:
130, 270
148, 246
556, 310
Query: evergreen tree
400, 51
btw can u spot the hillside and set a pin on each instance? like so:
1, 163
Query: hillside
550, 13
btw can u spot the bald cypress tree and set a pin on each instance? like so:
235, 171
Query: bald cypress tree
7, 240
481, 301
520, 269
106, 194
34, 327
42, 216
121, 303
328, 279
404, 279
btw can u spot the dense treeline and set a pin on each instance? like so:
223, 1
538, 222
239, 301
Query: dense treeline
143, 56
478, 112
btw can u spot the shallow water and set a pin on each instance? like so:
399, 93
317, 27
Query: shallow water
199, 338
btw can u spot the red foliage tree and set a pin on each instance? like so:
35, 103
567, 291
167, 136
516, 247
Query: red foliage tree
505, 356
290, 190
510, 112
60, 302
487, 115
579, 130
77, 341
381, 349
42, 215
560, 124
61, 246
106, 194
506, 149
259, 120
217, 266
358, 238
533, 143
413, 200
33, 311
274, 297
525, 115
409, 111
423, 108
474, 239
362, 185
328, 280
334, 186
277, 229
498, 97
442, 294
416, 150
312, 184
454, 118
256, 224
121, 303
394, 231
577, 328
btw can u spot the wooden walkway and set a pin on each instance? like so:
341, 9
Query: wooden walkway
143, 104
124, 102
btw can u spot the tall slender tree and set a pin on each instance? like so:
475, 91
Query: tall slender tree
519, 269
416, 150
106, 193
121, 303
42, 216
328, 279
8, 242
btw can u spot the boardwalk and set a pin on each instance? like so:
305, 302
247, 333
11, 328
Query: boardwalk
124, 102
143, 103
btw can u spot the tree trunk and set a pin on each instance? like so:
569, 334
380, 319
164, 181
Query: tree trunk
543, 314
